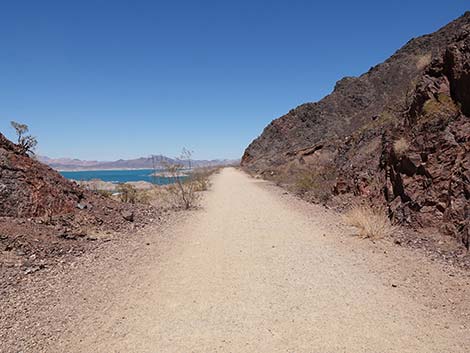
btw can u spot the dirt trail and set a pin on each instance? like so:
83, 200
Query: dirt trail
253, 273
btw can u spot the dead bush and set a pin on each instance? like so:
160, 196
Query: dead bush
372, 222
184, 189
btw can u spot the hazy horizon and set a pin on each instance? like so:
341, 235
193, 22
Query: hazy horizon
108, 81
131, 158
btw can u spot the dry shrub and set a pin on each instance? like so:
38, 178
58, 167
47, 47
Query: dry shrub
143, 196
185, 192
307, 181
184, 188
372, 222
442, 107
161, 197
129, 194
400, 146
105, 193
201, 177
317, 183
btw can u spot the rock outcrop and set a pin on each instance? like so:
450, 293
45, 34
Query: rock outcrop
45, 217
29, 188
399, 135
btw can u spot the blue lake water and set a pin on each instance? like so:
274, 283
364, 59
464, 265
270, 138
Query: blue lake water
118, 176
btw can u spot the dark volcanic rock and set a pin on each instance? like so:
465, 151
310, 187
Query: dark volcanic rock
398, 135
46, 217
29, 188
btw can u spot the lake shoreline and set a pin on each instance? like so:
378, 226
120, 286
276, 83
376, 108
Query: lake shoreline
98, 170
118, 176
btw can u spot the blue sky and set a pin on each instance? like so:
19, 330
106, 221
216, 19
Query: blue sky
122, 79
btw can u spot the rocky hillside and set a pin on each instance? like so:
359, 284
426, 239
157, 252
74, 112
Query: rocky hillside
44, 217
29, 188
398, 135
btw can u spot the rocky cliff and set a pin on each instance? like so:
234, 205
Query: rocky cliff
398, 135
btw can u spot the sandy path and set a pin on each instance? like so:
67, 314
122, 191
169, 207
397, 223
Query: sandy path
250, 274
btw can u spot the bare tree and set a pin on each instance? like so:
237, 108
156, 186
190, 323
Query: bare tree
185, 157
26, 142
184, 188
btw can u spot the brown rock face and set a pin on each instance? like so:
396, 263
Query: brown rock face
29, 188
428, 184
45, 218
397, 135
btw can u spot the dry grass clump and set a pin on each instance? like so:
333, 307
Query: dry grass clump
400, 146
442, 107
371, 222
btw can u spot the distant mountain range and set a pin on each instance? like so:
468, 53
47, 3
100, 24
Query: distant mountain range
138, 163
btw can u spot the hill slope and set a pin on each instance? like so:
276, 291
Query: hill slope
45, 217
397, 135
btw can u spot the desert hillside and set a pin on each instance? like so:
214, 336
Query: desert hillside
397, 136
45, 218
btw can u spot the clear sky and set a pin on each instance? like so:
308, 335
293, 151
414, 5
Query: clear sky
121, 79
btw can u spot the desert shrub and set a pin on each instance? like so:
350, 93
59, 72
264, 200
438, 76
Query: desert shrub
318, 183
160, 197
200, 177
307, 181
441, 107
400, 146
143, 196
105, 193
184, 194
27, 143
372, 222
127, 193
188, 182
184, 189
